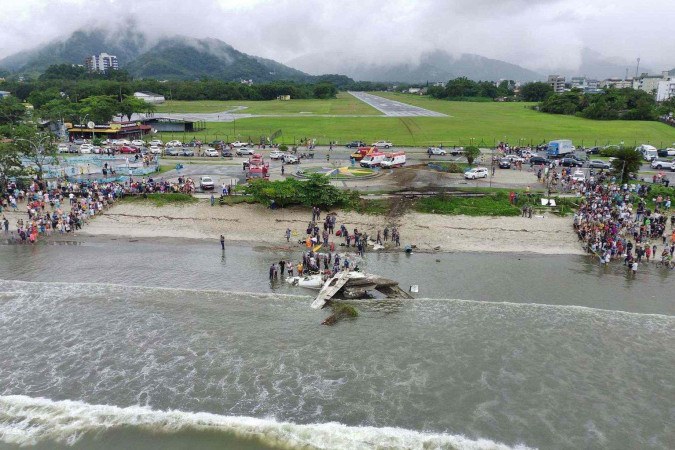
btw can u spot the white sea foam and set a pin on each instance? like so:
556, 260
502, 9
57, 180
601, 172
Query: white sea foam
28, 421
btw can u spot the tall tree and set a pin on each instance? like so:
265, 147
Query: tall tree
10, 164
626, 161
37, 146
535, 92
99, 108
471, 153
130, 105
12, 111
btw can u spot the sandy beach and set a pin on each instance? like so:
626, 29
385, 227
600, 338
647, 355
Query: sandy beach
258, 225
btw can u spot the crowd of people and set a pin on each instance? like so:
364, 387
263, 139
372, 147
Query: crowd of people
63, 206
320, 255
614, 222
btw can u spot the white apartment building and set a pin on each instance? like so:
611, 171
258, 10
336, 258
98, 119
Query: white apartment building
557, 83
101, 63
617, 83
665, 90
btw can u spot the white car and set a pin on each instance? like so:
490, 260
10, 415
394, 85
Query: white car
670, 151
123, 142
476, 172
290, 159
157, 142
155, 150
244, 151
382, 144
212, 152
206, 183
86, 148
238, 144
137, 142
97, 150
276, 154
436, 151
63, 148
174, 143
659, 164
578, 175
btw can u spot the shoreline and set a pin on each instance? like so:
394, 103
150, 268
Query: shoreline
258, 226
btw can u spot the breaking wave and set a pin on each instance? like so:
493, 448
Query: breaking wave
30, 421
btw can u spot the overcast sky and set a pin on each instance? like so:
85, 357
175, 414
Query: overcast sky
538, 34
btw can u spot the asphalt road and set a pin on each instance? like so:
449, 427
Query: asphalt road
393, 108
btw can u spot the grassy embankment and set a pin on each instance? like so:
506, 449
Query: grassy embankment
162, 199
344, 104
467, 122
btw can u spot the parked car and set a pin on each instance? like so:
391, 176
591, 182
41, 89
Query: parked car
226, 153
382, 144
127, 149
571, 162
456, 151
238, 144
96, 149
211, 152
664, 153
86, 148
123, 142
436, 151
173, 151
661, 164
244, 151
187, 152
514, 158
476, 172
155, 150
157, 142
137, 143
206, 183
174, 143
291, 159
504, 163
599, 164
538, 160
79, 141
63, 148
276, 154
593, 151
356, 144
578, 175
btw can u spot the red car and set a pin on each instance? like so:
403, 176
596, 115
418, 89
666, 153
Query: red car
127, 149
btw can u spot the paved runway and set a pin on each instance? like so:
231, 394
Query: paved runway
393, 108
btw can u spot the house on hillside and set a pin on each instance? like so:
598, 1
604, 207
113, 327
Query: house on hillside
150, 97
4, 94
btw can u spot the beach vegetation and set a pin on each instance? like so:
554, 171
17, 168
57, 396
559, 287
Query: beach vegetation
496, 204
159, 199
316, 190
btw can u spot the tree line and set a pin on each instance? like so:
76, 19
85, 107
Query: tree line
611, 104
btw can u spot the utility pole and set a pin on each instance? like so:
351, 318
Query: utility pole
637, 68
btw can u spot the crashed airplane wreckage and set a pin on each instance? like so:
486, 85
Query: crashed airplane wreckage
353, 285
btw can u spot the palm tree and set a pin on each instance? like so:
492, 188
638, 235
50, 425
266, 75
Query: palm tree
625, 162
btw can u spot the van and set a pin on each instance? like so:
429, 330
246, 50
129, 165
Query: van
394, 160
373, 159
649, 152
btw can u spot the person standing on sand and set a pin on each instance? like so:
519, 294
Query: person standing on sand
222, 242
213, 199
288, 234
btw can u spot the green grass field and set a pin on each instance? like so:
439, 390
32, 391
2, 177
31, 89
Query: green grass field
481, 123
344, 104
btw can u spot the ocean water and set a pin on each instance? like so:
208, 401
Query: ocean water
118, 344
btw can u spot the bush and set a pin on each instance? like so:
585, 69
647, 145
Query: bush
283, 148
316, 191
610, 152
496, 204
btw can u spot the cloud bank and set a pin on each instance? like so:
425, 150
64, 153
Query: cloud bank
542, 35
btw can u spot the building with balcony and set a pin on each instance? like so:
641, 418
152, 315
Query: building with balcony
557, 83
101, 63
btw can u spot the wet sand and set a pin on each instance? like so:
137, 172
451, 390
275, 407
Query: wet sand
257, 225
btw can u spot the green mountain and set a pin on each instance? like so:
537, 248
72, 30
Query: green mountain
172, 58
126, 45
189, 58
